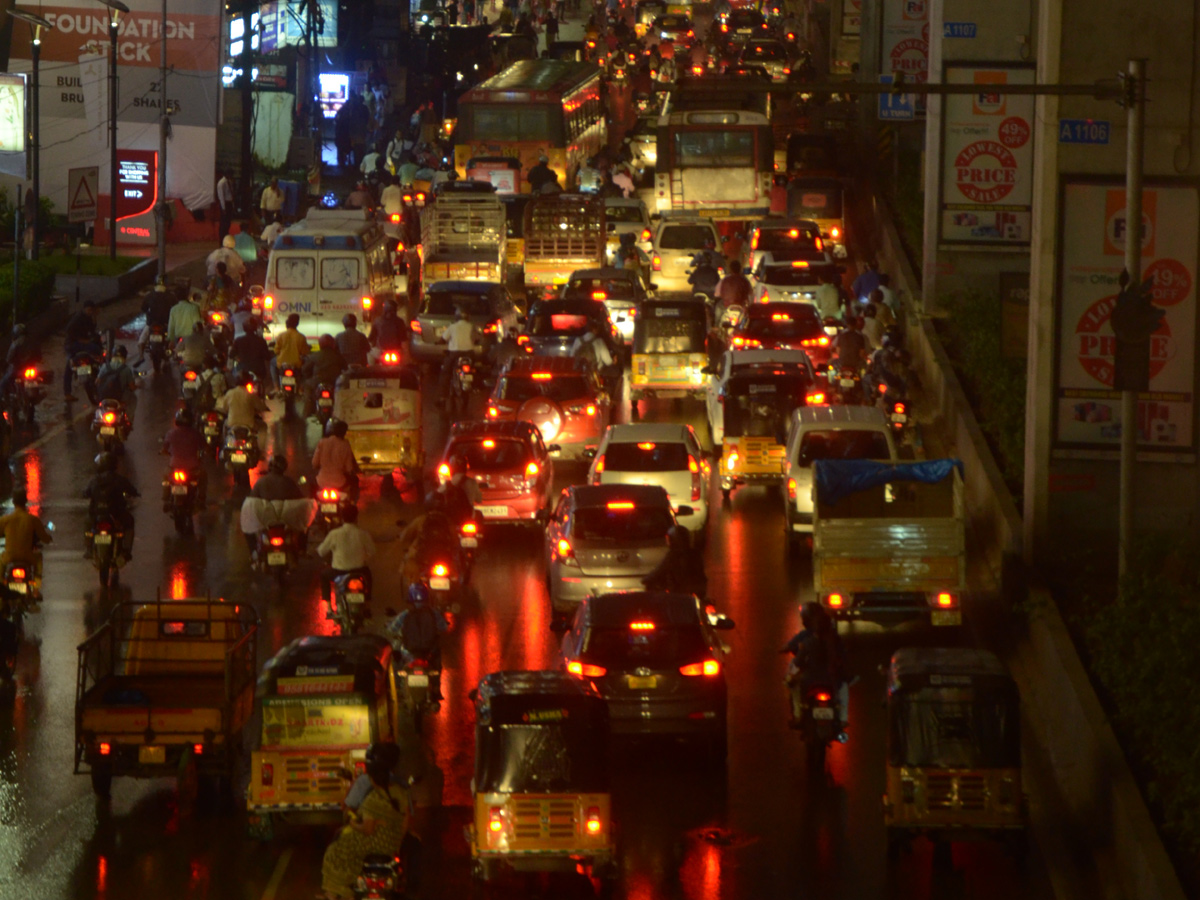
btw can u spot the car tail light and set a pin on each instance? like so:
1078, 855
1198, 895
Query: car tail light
531, 470
709, 667
821, 697
598, 466
594, 825
109, 418
198, 749
266, 774
835, 601
656, 263
329, 494
493, 412
277, 541
105, 748
367, 303
439, 570
585, 670
495, 820
268, 302
814, 399
590, 409
566, 553
444, 471
819, 244
822, 341
694, 468
791, 488
470, 528
946, 600
180, 476
30, 374
414, 326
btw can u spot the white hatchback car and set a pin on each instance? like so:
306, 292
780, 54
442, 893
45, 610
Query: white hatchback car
662, 454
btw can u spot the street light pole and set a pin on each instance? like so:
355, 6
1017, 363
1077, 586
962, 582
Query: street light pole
163, 127
33, 137
115, 9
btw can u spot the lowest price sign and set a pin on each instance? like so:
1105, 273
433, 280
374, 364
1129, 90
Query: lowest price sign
1093, 236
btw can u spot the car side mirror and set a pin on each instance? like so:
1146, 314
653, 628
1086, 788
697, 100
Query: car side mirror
589, 453
724, 623
684, 511
555, 448
560, 626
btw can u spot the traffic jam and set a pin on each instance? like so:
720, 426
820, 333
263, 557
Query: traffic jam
549, 513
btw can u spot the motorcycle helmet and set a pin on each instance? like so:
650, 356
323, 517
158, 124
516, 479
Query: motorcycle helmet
349, 320
418, 594
119, 352
228, 242
336, 428
279, 464
811, 614
105, 462
183, 417
211, 360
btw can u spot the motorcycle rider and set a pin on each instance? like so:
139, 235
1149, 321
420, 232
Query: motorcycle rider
460, 338
867, 281
850, 346
22, 352
109, 493
81, 337
349, 549
334, 462
734, 289
213, 383
818, 657
322, 367
886, 367
680, 571
426, 539
457, 495
185, 445
388, 333
183, 318
157, 307
419, 629
222, 288
274, 485
706, 277
226, 253
242, 405
352, 343
250, 351
23, 533
116, 381
195, 347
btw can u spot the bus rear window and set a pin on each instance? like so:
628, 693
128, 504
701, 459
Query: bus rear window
508, 122
295, 272
714, 148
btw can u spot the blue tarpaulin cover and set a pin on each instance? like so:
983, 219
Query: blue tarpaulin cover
838, 478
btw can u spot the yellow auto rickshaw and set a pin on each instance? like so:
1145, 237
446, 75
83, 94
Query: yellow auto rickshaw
381, 406
953, 748
756, 406
320, 703
669, 351
541, 786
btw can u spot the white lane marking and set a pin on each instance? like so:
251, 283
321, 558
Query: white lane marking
277, 876
55, 431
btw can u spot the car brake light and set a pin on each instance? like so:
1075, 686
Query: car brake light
645, 234
105, 748
493, 412
594, 825
266, 774
656, 263
819, 244
470, 528
30, 374
444, 470
709, 667
835, 601
641, 626
489, 444
800, 263
598, 466
946, 600
180, 476
619, 504
531, 470
646, 445
599, 295
822, 697
791, 488
542, 376
439, 570
495, 820
585, 670
367, 303
814, 399
414, 326
198, 749
822, 341
277, 541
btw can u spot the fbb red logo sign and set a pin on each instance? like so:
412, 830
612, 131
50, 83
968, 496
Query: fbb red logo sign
915, 10
985, 172
1116, 225
1096, 350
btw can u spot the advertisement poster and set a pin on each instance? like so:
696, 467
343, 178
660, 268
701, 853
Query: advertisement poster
12, 125
74, 77
904, 45
851, 17
1092, 238
987, 158
284, 24
317, 723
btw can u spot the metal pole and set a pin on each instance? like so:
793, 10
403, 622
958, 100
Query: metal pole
1135, 108
112, 136
34, 138
16, 254
161, 212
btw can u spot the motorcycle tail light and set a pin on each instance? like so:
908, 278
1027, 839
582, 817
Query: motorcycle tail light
105, 748
324, 395
329, 494
946, 600
217, 317
594, 825
109, 418
821, 697
656, 263
268, 302
354, 585
898, 408
440, 570
179, 476
470, 528
444, 470
189, 375
391, 357
883, 389
266, 774
415, 326
367, 302
17, 574
835, 601
30, 374
289, 373
277, 541
198, 749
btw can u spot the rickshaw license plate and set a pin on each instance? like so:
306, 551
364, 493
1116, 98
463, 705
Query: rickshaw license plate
328, 507
18, 587
643, 683
152, 754
107, 429
947, 617
276, 559
493, 511
418, 680
823, 712
355, 597
179, 489
440, 584
469, 542
238, 457
846, 382
102, 539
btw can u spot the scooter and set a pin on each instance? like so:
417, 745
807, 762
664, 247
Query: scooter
107, 542
211, 426
241, 455
278, 549
156, 347
351, 601
288, 379
25, 393
331, 507
819, 724
382, 877
86, 366
324, 404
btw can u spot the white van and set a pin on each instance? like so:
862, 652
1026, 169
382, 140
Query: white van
333, 262
829, 432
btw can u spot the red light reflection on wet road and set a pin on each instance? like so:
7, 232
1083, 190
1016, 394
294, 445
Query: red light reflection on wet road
33, 481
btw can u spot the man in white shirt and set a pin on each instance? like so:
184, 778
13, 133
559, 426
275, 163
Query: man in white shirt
460, 338
828, 299
225, 201
349, 549
392, 199
271, 203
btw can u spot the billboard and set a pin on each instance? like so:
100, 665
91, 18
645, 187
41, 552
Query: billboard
987, 158
283, 24
904, 39
12, 125
74, 90
1092, 234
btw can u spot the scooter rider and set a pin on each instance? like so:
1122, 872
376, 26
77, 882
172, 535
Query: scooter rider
706, 276
334, 462
818, 657
419, 629
109, 493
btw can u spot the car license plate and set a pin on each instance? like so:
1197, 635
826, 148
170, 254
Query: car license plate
287, 382
823, 712
846, 382
493, 512
83, 371
643, 682
151, 754
900, 417
415, 680
18, 587
102, 538
156, 338
108, 429
328, 507
440, 584
356, 597
179, 489
238, 457
947, 617
469, 542
276, 559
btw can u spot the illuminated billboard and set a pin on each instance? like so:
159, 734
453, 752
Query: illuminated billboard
283, 24
12, 125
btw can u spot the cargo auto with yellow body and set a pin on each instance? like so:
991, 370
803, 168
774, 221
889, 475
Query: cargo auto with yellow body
755, 408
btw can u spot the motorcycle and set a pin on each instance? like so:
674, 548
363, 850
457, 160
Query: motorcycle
211, 426
331, 506
288, 380
106, 540
189, 388
220, 332
25, 393
278, 549
181, 487
445, 581
468, 540
86, 367
324, 404
380, 878
241, 455
891, 401
111, 425
156, 347
462, 382
846, 382
819, 724
351, 601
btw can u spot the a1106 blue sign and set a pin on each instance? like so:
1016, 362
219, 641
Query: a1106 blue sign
1084, 131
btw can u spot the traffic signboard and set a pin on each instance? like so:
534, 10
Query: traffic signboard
82, 184
1084, 131
896, 107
